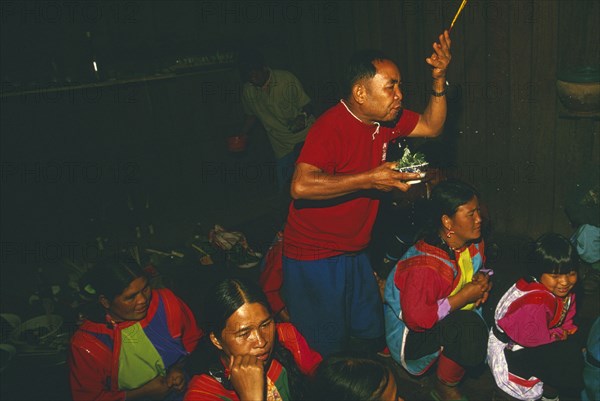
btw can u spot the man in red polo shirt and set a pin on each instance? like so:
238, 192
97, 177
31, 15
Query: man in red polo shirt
329, 287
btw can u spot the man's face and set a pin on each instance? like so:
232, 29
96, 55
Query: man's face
383, 101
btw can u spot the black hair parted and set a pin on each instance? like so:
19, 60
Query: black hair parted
361, 66
221, 302
552, 253
228, 296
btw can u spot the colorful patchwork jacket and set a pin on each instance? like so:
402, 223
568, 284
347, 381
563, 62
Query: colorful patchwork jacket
206, 388
107, 359
416, 292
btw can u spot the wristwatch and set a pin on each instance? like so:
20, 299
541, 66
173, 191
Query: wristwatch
442, 93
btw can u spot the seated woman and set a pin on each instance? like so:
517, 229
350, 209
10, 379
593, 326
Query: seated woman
354, 378
532, 350
432, 295
246, 355
135, 346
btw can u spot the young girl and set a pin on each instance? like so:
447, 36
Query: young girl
531, 350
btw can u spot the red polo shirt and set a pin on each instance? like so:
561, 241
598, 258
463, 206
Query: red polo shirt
339, 143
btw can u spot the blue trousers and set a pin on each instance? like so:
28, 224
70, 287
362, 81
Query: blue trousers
333, 299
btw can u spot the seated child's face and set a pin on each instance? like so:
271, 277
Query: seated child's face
559, 284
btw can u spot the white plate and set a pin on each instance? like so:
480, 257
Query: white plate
417, 167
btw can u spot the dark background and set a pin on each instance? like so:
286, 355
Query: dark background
77, 150
75, 147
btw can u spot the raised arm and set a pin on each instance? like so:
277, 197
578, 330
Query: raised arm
433, 117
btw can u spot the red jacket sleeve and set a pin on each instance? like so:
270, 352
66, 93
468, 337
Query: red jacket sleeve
181, 320
421, 287
306, 358
271, 278
205, 388
90, 366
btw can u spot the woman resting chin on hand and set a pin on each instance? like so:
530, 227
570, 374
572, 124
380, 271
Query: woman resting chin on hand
247, 356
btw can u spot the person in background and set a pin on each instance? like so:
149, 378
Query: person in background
276, 98
354, 378
246, 355
591, 369
335, 188
433, 294
533, 351
136, 345
583, 210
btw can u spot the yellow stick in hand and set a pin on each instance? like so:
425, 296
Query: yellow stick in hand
462, 5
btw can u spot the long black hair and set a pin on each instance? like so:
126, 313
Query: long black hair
226, 297
446, 198
350, 378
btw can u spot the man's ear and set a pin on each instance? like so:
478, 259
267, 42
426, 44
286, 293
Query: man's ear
215, 341
359, 92
104, 302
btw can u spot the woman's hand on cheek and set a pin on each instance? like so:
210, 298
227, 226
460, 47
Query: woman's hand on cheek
247, 377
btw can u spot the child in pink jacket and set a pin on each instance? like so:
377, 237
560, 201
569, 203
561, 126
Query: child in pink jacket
531, 348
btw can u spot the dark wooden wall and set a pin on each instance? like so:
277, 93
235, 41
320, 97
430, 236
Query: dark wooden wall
506, 130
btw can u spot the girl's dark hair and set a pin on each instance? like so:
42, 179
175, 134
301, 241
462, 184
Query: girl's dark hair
446, 198
111, 275
361, 66
226, 297
352, 378
553, 254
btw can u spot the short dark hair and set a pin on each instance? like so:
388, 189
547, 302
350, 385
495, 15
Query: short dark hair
361, 66
352, 378
111, 275
250, 59
552, 254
